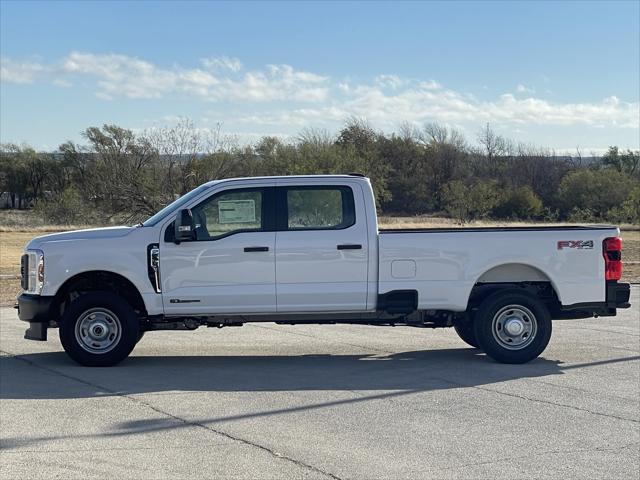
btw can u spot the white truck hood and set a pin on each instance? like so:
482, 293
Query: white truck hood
87, 234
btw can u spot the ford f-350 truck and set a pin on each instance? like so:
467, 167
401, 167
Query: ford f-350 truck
308, 250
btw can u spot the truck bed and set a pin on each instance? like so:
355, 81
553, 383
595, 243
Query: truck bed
443, 266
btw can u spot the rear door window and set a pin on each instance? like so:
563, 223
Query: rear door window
319, 208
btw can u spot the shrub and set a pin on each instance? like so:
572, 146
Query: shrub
629, 210
521, 203
596, 191
67, 208
470, 202
581, 215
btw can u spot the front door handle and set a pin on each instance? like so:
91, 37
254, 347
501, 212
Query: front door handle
256, 249
349, 247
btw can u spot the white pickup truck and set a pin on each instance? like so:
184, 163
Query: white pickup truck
308, 250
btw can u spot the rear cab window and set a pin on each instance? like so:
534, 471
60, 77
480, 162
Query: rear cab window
317, 208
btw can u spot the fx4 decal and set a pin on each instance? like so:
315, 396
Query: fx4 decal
579, 244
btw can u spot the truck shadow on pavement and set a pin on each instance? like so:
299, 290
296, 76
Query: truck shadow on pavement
54, 376
365, 377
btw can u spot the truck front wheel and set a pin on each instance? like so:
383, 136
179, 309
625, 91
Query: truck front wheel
467, 334
99, 329
512, 326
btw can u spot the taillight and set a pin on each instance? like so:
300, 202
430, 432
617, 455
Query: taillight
612, 252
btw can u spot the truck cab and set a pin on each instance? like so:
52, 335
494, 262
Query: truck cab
317, 235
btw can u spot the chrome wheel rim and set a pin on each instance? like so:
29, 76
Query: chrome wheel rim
514, 327
98, 330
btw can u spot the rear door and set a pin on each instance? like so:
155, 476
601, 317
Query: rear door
321, 249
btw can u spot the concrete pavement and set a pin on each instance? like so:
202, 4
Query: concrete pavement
269, 401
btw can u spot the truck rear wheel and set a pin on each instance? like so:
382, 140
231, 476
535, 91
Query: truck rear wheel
99, 329
512, 326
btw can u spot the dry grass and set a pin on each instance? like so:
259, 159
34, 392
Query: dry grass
631, 256
11, 246
13, 238
424, 221
27, 221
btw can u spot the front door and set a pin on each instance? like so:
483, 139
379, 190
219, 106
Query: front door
230, 266
321, 249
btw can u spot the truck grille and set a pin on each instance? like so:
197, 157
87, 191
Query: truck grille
24, 272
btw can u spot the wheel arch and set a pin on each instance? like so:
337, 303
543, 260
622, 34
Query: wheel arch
98, 280
515, 275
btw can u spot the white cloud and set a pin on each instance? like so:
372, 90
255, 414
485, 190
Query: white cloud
61, 82
610, 111
19, 72
222, 63
420, 104
276, 82
430, 85
524, 89
298, 117
121, 75
294, 97
390, 81
344, 87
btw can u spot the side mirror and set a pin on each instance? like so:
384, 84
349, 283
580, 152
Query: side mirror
184, 226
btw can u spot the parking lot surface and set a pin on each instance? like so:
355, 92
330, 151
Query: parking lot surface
269, 401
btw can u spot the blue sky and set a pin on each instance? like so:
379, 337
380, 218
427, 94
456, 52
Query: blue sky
558, 75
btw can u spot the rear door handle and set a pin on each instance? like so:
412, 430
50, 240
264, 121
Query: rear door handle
256, 249
350, 247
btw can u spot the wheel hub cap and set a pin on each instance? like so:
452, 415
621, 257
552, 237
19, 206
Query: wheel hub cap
514, 327
98, 330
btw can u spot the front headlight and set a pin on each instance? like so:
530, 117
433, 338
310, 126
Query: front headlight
35, 272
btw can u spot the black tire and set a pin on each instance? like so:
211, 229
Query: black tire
467, 334
99, 329
525, 313
140, 335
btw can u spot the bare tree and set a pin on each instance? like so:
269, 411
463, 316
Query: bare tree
576, 161
437, 134
409, 132
316, 137
494, 145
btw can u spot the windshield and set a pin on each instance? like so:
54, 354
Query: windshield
174, 206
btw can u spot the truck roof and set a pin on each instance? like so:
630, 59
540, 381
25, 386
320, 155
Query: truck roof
290, 177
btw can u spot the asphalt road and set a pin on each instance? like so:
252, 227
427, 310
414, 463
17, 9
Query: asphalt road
268, 401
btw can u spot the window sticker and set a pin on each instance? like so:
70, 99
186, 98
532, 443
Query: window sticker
237, 211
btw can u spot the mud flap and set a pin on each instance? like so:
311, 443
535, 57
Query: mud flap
36, 331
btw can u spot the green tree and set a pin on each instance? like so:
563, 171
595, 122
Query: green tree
122, 174
13, 175
624, 162
24, 173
